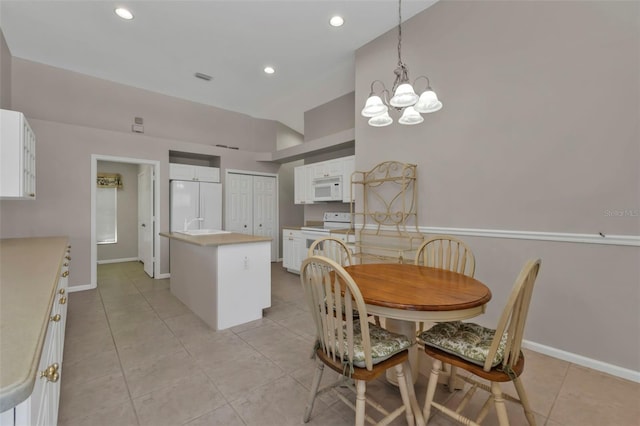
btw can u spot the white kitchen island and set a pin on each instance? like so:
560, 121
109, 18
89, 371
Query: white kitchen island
225, 279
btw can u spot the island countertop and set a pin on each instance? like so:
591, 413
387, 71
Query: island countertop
215, 239
29, 271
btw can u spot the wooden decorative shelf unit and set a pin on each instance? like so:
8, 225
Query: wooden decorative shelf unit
384, 213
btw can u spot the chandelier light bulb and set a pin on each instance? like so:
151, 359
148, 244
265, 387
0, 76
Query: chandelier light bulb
374, 106
428, 102
381, 120
410, 117
404, 96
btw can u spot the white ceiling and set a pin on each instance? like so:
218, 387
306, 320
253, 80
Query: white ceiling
168, 41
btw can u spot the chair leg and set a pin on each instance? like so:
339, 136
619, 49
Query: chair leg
315, 384
524, 401
361, 387
404, 393
501, 409
453, 376
431, 388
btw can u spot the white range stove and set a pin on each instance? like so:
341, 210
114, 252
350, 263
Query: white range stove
333, 221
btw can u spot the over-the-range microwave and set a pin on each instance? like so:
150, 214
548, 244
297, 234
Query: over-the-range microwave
327, 189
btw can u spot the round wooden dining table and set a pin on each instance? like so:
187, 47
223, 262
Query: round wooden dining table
404, 294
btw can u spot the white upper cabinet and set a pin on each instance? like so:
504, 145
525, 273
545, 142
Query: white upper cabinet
304, 176
196, 173
17, 157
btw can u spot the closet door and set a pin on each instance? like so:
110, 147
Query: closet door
264, 209
239, 210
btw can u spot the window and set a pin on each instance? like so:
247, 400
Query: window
107, 207
106, 215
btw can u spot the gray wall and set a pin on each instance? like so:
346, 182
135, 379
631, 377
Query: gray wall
539, 132
5, 73
332, 117
127, 215
75, 116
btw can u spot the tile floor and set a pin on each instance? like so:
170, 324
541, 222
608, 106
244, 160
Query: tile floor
135, 355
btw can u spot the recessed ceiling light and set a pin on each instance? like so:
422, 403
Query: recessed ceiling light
124, 13
336, 21
269, 70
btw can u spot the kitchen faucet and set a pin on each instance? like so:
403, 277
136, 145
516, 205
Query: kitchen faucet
189, 222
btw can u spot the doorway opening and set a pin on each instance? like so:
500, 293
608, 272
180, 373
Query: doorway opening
148, 205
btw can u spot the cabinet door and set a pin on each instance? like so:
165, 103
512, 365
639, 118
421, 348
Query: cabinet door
300, 185
17, 157
288, 253
206, 174
349, 166
300, 250
181, 172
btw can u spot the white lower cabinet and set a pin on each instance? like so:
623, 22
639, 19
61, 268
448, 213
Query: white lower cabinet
293, 249
41, 408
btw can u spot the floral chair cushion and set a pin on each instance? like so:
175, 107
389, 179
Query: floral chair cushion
469, 341
384, 344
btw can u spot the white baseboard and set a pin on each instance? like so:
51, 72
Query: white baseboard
604, 367
74, 288
163, 276
127, 259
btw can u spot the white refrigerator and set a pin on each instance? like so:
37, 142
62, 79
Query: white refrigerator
192, 200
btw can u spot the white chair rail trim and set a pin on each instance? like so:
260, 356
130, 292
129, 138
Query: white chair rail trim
563, 237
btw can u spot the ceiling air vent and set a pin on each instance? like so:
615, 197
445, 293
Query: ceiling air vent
202, 76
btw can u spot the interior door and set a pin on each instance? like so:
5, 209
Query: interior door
239, 209
145, 218
264, 210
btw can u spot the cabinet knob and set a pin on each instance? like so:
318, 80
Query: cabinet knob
65, 274
51, 373
65, 264
55, 318
61, 291
68, 257
63, 300
32, 195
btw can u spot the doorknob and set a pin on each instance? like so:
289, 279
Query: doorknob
144, 225
245, 226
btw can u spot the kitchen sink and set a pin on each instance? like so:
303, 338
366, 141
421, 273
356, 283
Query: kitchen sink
204, 232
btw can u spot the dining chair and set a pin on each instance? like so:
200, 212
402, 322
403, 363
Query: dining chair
333, 248
450, 253
358, 350
445, 252
493, 355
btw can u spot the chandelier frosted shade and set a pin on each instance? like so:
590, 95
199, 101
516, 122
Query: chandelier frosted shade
428, 102
410, 116
374, 106
381, 120
404, 96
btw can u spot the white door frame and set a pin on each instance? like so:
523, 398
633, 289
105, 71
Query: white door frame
252, 173
156, 189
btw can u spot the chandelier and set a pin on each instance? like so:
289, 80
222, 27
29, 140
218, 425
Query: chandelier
404, 96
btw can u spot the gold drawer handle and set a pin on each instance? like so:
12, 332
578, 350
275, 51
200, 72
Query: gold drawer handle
65, 274
65, 264
51, 373
68, 257
61, 291
55, 318
63, 300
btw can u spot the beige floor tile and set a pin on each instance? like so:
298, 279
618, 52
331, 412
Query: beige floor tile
148, 350
188, 327
160, 373
88, 345
588, 397
224, 415
89, 368
122, 319
87, 398
134, 333
120, 414
187, 399
264, 405
131, 302
218, 347
240, 373
287, 350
